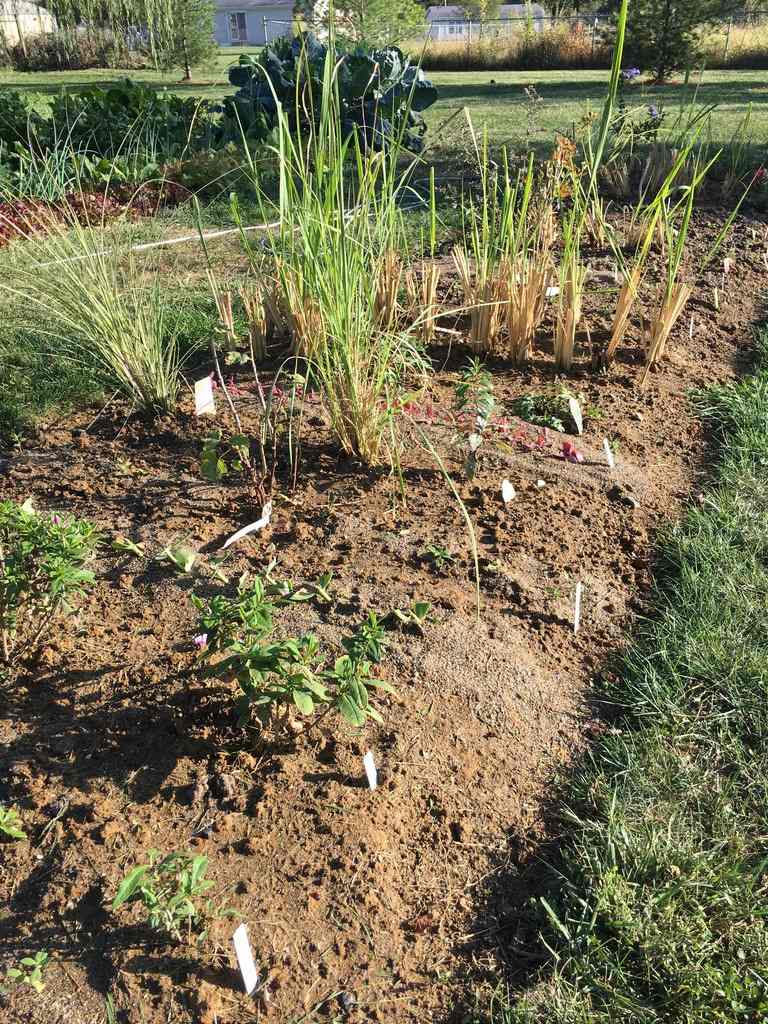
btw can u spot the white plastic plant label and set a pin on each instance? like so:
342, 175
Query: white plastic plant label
266, 515
577, 608
508, 492
245, 960
574, 410
552, 292
370, 770
608, 454
204, 403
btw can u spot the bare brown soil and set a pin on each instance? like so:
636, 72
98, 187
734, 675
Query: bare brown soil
398, 905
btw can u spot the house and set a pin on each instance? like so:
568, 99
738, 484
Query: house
20, 19
448, 24
251, 22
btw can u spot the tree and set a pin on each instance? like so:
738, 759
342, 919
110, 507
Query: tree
190, 40
664, 35
374, 22
480, 10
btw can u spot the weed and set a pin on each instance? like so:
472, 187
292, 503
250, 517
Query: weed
169, 888
11, 824
30, 971
439, 555
42, 567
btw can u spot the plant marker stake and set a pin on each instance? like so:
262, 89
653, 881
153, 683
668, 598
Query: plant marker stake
577, 609
204, 403
608, 454
507, 491
266, 515
690, 329
370, 770
245, 960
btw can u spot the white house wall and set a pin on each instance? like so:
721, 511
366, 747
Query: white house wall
278, 23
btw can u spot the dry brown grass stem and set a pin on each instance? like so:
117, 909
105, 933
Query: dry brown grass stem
421, 289
253, 304
304, 318
486, 300
671, 309
527, 283
569, 315
387, 288
624, 305
226, 318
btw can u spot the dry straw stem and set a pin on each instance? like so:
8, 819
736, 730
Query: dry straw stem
253, 304
627, 297
421, 290
528, 280
672, 305
485, 295
226, 317
569, 314
387, 288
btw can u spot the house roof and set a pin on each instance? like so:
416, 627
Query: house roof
505, 11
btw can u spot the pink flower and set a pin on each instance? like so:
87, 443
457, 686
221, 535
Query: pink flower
56, 520
200, 641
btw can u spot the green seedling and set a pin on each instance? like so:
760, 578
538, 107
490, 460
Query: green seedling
220, 457
30, 971
440, 556
545, 410
475, 401
419, 614
42, 567
168, 887
128, 547
179, 556
10, 824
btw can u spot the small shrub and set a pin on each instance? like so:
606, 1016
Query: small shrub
277, 676
42, 567
168, 887
65, 51
19, 121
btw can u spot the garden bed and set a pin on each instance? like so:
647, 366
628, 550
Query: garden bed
393, 905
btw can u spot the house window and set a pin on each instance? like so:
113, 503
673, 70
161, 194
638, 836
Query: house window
238, 30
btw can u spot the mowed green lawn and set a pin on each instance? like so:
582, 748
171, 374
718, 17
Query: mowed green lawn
495, 99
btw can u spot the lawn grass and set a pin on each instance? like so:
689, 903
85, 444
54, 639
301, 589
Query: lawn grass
657, 910
495, 99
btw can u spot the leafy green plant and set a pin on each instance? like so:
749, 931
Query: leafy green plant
10, 824
381, 93
30, 971
418, 614
545, 410
475, 403
169, 887
277, 675
42, 568
440, 556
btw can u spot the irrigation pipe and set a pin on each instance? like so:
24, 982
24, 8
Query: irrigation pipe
146, 246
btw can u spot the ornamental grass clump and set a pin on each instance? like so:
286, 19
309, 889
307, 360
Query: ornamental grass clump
93, 298
42, 569
334, 266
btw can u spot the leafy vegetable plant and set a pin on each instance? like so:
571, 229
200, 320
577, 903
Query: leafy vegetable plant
382, 93
30, 971
277, 675
168, 887
42, 567
10, 824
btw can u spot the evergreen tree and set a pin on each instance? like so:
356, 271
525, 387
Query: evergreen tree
665, 35
190, 41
